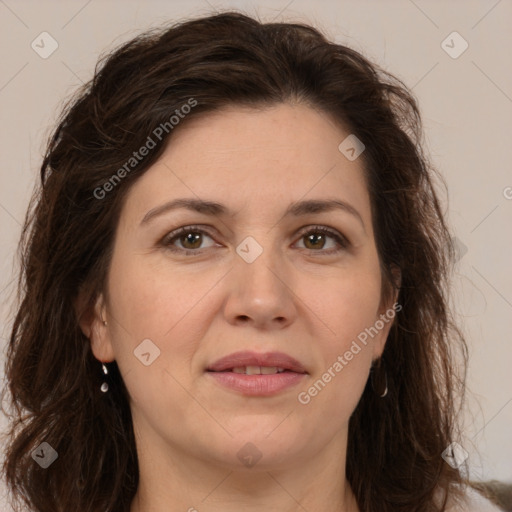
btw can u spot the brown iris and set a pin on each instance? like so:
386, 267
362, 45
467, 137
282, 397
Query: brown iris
192, 238
315, 238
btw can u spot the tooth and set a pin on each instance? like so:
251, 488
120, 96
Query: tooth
258, 370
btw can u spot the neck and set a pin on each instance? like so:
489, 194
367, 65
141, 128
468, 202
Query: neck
179, 482
275, 497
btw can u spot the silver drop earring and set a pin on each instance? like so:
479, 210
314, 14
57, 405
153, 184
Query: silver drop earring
380, 369
104, 386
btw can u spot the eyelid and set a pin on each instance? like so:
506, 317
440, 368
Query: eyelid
174, 234
343, 242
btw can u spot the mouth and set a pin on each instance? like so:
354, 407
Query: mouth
253, 363
254, 374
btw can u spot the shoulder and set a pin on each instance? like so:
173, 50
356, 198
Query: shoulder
473, 501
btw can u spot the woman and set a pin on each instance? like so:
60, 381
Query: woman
234, 288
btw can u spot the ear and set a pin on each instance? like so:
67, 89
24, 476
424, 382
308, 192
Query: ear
387, 313
90, 319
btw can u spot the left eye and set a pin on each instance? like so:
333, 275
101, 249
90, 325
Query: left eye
320, 234
191, 237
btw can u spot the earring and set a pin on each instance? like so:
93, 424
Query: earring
104, 386
379, 391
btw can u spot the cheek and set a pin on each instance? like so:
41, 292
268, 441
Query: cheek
151, 300
345, 312
344, 303
154, 327
172, 309
336, 386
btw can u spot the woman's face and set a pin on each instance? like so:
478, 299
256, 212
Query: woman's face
257, 277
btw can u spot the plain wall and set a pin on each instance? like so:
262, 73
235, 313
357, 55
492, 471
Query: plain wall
466, 103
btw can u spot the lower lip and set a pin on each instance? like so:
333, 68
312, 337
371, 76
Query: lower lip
258, 385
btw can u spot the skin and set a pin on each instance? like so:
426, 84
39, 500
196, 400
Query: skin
295, 298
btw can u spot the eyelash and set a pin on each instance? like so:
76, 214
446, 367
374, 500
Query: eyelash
171, 237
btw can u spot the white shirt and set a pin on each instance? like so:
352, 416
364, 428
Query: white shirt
474, 502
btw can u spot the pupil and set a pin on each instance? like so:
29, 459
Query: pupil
312, 238
191, 238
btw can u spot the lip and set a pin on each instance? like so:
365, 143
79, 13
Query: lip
257, 385
248, 358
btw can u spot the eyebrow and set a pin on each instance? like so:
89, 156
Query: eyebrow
213, 208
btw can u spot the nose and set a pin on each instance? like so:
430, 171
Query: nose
260, 291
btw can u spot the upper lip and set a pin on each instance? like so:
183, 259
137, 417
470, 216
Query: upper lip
247, 358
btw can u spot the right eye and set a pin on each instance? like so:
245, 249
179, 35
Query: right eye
190, 238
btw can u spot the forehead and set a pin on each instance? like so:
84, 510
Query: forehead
283, 131
271, 156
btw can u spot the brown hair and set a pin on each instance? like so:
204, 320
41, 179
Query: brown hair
395, 443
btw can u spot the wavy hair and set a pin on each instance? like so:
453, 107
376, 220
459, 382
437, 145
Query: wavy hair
395, 443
